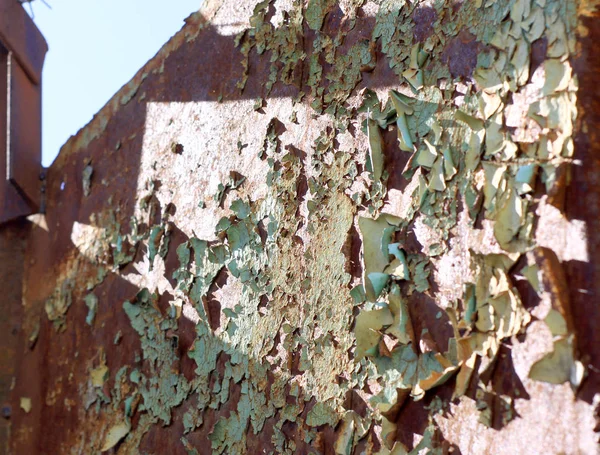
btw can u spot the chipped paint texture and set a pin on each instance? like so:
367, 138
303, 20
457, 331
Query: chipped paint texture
349, 240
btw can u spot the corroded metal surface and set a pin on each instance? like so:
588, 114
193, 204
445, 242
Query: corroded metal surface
13, 241
582, 200
19, 34
22, 53
201, 280
24, 145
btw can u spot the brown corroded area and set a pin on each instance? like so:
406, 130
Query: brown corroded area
424, 17
461, 54
13, 241
582, 198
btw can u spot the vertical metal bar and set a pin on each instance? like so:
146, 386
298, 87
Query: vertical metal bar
24, 130
8, 109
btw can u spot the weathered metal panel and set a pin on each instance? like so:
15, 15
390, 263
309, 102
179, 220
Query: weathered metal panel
189, 289
20, 35
24, 144
13, 241
22, 53
12, 203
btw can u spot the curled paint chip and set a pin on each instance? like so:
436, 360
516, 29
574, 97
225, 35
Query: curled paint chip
114, 435
394, 249
99, 375
91, 302
474, 123
376, 283
402, 107
558, 76
401, 327
437, 182
25, 404
375, 148
367, 329
489, 103
88, 171
509, 218
375, 250
559, 366
427, 156
525, 178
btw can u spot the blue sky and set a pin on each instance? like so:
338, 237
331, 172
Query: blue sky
96, 46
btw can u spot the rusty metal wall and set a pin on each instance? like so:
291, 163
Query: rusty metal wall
13, 238
198, 283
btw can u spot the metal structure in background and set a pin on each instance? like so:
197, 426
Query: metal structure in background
22, 53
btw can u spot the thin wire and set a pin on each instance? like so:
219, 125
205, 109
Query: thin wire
32, 14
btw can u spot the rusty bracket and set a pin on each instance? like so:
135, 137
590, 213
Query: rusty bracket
22, 53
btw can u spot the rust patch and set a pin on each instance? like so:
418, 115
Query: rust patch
424, 18
460, 54
584, 203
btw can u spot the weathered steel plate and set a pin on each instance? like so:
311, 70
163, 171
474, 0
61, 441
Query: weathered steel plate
22, 53
24, 144
20, 35
12, 203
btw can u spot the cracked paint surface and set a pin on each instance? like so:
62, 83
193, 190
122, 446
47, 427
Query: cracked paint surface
303, 266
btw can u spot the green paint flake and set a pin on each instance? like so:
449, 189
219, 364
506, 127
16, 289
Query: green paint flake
155, 243
228, 434
208, 263
91, 301
532, 273
426, 156
316, 12
241, 209
377, 282
163, 389
375, 249
559, 366
437, 182
421, 275
25, 404
399, 266
117, 432
404, 139
401, 328
474, 123
358, 294
86, 179
59, 302
367, 329
190, 450
182, 275
509, 218
99, 375
556, 323
322, 414
375, 148
558, 76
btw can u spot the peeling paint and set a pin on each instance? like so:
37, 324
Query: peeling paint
344, 253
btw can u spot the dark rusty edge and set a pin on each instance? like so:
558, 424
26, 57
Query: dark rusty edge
583, 203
